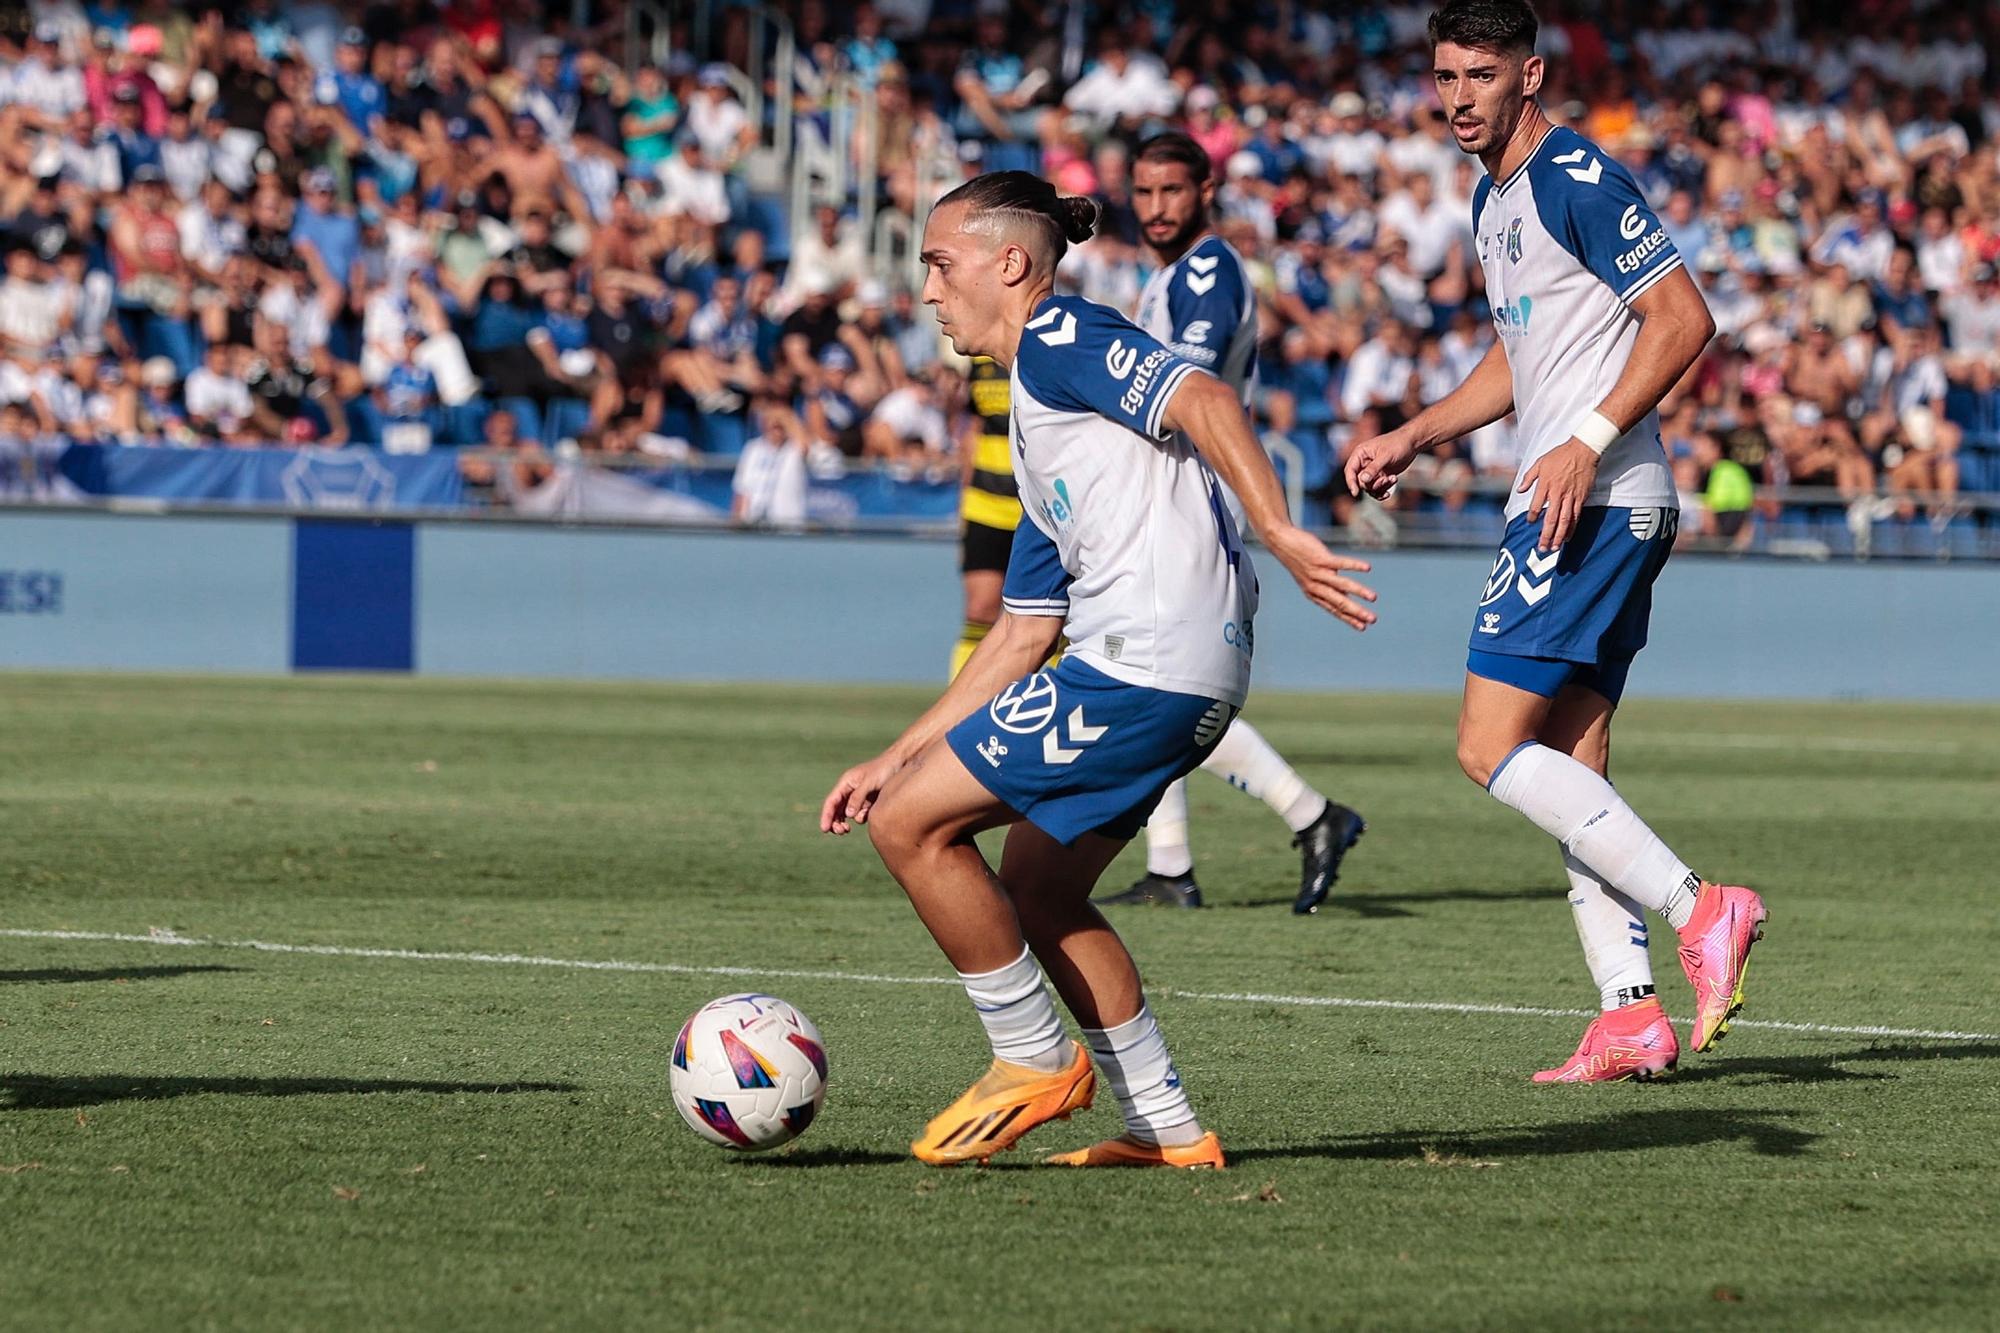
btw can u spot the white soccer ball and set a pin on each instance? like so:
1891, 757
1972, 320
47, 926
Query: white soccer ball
748, 1072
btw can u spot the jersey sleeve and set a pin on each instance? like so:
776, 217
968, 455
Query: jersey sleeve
1606, 222
1036, 582
1204, 305
1077, 356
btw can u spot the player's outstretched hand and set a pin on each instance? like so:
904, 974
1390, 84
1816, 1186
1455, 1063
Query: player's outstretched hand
854, 795
1322, 574
1373, 465
1557, 486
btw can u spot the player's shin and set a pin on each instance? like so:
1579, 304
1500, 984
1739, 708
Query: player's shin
1582, 811
1019, 1016
1133, 1059
1613, 933
1243, 758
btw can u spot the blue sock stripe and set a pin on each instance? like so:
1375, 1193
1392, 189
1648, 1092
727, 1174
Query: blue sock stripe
1501, 767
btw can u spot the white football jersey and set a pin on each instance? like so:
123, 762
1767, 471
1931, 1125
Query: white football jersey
1567, 243
1126, 534
1202, 308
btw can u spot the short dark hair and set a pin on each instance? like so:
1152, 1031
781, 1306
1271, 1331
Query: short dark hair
1024, 196
1174, 146
1492, 25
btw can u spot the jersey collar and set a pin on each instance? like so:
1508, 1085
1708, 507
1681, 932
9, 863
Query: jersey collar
1500, 187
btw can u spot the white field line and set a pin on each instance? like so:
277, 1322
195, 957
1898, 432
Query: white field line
169, 939
1835, 744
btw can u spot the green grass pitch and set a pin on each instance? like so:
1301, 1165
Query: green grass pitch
222, 1137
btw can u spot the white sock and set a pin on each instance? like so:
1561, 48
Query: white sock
1020, 1018
1613, 932
1244, 759
1579, 809
1133, 1058
1167, 834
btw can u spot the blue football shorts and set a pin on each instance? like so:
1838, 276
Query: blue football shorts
1073, 751
1576, 615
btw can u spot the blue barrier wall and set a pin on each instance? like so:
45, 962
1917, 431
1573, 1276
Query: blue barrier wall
270, 594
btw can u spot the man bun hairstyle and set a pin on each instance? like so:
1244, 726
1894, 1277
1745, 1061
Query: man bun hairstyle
1489, 25
1002, 200
1176, 147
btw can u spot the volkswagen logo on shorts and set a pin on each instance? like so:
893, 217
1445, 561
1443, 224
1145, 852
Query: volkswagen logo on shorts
1026, 706
1501, 579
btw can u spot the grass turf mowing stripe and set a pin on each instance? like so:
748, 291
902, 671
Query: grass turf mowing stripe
169, 939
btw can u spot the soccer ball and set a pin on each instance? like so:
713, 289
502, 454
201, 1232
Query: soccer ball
748, 1072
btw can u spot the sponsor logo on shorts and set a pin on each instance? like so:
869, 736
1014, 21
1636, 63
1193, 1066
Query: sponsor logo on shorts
1500, 579
1490, 622
991, 750
1026, 706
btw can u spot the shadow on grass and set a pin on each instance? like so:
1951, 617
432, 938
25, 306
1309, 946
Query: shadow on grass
826, 1157
1829, 1068
1629, 1131
66, 974
35, 1092
1386, 906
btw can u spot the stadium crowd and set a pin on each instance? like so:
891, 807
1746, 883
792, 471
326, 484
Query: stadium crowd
416, 223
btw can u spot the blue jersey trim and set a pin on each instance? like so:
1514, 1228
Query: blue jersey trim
1215, 297
1036, 583
1081, 357
1590, 205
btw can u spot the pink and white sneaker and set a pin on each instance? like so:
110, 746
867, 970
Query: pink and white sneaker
1635, 1042
1715, 953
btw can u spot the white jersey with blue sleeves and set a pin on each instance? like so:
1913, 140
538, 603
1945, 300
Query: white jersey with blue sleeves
1567, 243
1202, 308
1125, 533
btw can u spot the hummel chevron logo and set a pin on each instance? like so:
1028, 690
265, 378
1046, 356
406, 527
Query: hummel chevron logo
1057, 336
1200, 285
1541, 566
1589, 175
1080, 732
1201, 265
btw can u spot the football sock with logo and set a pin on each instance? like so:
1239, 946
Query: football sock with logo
1243, 758
1167, 851
968, 639
1134, 1061
1019, 1017
1613, 931
1582, 811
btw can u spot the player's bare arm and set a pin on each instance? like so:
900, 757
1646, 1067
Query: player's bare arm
1014, 646
1675, 327
1486, 396
1208, 412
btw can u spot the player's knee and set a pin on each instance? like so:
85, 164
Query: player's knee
1475, 759
894, 830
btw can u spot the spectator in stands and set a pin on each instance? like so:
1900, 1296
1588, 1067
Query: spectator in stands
908, 431
218, 405
771, 484
1000, 93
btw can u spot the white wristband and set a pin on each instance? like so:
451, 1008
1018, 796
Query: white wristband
1599, 432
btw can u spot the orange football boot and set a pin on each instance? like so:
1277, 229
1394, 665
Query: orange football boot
1003, 1105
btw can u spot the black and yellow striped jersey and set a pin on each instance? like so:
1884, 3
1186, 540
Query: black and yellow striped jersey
990, 496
